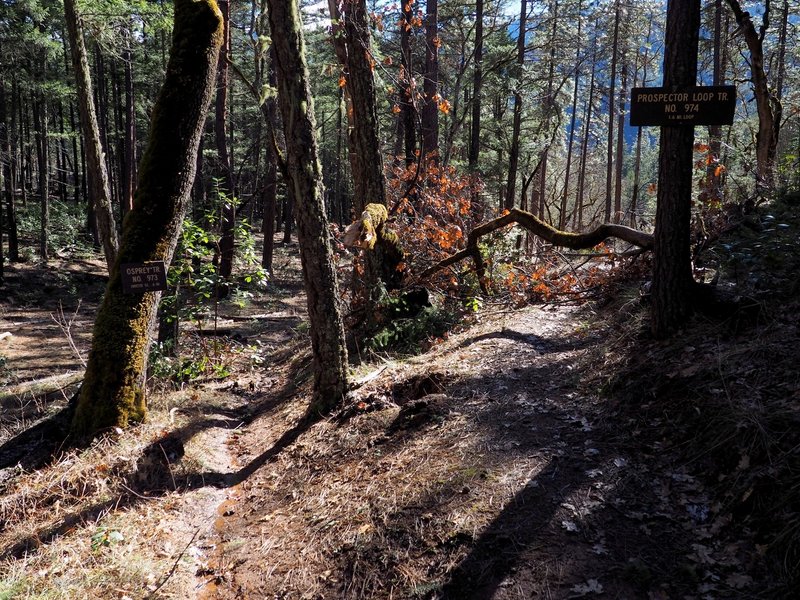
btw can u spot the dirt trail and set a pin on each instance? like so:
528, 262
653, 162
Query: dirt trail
482, 469
490, 466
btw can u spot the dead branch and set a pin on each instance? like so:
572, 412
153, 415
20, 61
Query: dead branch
65, 325
565, 239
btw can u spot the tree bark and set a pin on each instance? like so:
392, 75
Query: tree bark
61, 153
113, 393
672, 270
6, 171
477, 86
352, 45
43, 158
407, 87
9, 220
430, 109
713, 178
14, 175
637, 161
305, 184
623, 92
585, 144
129, 161
768, 105
549, 106
611, 104
779, 80
513, 156
225, 173
270, 178
96, 171
562, 218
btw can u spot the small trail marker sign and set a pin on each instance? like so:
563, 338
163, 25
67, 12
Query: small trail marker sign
705, 105
138, 278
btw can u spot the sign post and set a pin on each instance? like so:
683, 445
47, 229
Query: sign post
698, 105
138, 278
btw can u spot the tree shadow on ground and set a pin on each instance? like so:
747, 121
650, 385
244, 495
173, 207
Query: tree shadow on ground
542, 345
48, 288
35, 446
157, 470
582, 504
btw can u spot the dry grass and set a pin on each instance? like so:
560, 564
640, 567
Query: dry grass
109, 521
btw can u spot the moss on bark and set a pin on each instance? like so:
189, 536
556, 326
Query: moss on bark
113, 392
304, 181
371, 232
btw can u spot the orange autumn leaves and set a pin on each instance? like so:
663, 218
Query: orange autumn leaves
709, 160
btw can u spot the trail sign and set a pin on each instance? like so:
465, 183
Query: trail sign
138, 278
705, 105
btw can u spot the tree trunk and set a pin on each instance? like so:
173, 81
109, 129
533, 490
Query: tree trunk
623, 92
430, 110
8, 147
129, 160
42, 151
61, 153
513, 155
713, 176
352, 45
270, 178
768, 105
113, 393
585, 145
343, 210
288, 218
477, 85
407, 88
562, 219
6, 171
549, 105
305, 184
672, 270
96, 170
77, 165
779, 80
611, 103
637, 161
25, 144
225, 172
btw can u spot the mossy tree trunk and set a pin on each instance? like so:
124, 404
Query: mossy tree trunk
97, 172
304, 179
351, 42
113, 389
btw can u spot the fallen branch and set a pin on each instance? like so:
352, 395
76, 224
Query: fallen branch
575, 241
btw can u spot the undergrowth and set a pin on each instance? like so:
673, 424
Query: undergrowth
67, 231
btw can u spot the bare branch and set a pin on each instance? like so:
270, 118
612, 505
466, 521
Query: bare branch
565, 239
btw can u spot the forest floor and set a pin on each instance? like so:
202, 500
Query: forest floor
551, 451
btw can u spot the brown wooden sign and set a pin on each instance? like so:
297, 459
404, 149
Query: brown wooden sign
706, 105
138, 278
